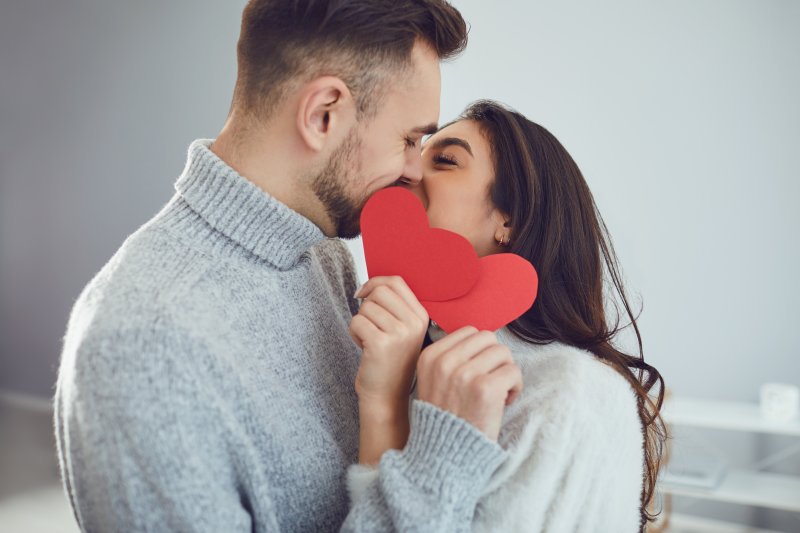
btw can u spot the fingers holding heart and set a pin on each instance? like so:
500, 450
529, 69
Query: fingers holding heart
395, 295
389, 328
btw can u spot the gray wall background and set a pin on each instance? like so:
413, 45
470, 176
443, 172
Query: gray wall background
100, 101
683, 116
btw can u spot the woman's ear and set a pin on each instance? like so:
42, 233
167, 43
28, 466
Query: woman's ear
325, 113
502, 227
501, 220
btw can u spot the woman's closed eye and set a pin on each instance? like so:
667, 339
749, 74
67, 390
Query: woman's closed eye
444, 159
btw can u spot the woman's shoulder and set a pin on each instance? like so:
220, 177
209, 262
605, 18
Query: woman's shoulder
572, 403
574, 441
571, 370
570, 388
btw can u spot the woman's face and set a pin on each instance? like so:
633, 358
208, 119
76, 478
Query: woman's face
457, 174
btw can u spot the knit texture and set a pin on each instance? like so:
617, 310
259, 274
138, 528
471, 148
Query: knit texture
207, 382
576, 448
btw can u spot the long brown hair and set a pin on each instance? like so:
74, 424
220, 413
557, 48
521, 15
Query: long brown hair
556, 225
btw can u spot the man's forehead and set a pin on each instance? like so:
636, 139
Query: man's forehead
418, 106
414, 95
409, 115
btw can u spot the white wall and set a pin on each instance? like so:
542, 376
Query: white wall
98, 104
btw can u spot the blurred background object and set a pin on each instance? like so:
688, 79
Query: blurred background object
682, 115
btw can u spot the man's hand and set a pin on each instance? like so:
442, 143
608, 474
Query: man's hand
471, 375
389, 327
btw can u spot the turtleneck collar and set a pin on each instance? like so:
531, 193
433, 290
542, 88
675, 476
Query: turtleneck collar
239, 209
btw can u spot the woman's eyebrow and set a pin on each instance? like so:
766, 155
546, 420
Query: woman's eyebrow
451, 141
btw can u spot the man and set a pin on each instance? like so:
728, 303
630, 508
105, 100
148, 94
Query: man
207, 376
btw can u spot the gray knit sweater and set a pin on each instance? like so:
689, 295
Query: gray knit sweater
207, 382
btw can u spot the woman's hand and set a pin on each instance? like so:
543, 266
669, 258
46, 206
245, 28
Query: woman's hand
389, 328
472, 375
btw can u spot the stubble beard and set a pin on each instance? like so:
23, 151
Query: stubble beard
330, 186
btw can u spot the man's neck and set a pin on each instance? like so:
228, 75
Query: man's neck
274, 175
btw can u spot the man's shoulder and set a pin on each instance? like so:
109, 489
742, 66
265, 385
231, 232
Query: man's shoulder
149, 270
115, 350
135, 297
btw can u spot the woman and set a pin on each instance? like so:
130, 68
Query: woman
584, 436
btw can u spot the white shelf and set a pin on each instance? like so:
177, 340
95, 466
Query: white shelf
682, 523
738, 485
739, 416
763, 489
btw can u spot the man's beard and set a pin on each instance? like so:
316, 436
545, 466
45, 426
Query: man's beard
329, 186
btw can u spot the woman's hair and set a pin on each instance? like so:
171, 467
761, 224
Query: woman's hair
556, 226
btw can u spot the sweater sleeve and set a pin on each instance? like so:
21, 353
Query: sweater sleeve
432, 485
359, 478
135, 448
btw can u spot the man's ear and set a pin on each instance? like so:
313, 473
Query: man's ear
326, 110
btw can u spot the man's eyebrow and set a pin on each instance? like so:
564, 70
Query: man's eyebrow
430, 129
452, 141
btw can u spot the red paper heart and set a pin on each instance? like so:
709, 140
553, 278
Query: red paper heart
436, 264
441, 267
506, 288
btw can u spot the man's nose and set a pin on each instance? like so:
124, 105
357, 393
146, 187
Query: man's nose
409, 181
416, 187
412, 173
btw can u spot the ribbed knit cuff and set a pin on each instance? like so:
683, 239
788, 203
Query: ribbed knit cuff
446, 455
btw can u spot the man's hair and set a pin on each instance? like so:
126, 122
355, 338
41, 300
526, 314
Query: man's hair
366, 43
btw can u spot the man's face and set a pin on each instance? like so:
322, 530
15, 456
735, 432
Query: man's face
385, 150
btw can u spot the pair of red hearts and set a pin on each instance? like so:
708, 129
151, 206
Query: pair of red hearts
455, 286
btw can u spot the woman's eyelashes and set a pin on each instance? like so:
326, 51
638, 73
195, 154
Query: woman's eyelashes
444, 159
